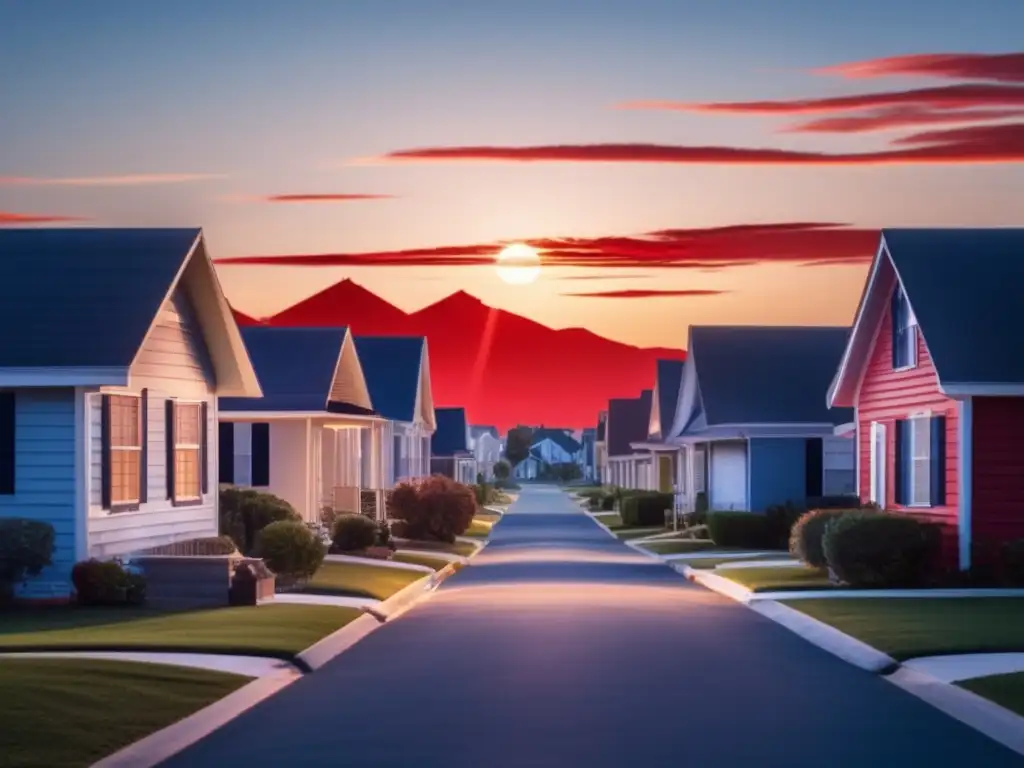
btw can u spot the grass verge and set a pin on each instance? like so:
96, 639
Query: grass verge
681, 546
479, 528
1005, 690
906, 628
358, 580
73, 712
627, 534
420, 558
797, 577
710, 562
464, 548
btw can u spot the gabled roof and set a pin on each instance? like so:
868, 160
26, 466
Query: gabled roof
304, 370
668, 375
963, 286
627, 422
566, 442
602, 417
749, 375
450, 438
393, 369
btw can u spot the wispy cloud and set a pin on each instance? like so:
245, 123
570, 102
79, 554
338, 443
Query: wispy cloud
127, 180
311, 197
999, 67
644, 294
600, 277
9, 218
891, 118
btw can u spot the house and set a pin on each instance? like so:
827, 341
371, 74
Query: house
397, 371
937, 393
588, 439
449, 447
314, 438
549, 448
601, 449
530, 468
627, 424
665, 457
486, 447
751, 422
118, 343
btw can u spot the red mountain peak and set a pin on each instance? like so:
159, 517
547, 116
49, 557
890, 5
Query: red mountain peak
345, 303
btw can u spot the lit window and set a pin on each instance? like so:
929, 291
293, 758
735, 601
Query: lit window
187, 452
125, 449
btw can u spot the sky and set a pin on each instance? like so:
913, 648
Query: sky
675, 160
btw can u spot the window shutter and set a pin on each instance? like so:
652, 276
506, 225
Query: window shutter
902, 463
7, 439
204, 449
105, 450
894, 315
261, 455
937, 472
226, 451
169, 437
813, 466
144, 446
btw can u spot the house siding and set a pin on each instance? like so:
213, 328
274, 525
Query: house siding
887, 395
44, 481
778, 472
997, 503
173, 363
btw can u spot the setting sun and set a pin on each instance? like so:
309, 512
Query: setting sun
518, 264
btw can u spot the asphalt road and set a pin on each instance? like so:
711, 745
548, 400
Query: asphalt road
562, 647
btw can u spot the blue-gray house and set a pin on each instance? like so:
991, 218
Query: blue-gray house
665, 465
752, 423
449, 446
118, 344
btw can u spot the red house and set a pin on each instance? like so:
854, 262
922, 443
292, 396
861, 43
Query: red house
934, 372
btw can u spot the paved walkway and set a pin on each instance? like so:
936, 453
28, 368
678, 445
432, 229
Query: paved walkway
560, 646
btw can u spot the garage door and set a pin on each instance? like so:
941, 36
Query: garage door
729, 475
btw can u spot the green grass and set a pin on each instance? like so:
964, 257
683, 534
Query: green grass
680, 546
358, 580
269, 630
479, 528
1005, 690
487, 517
908, 627
72, 712
420, 558
637, 533
711, 561
464, 548
770, 579
610, 519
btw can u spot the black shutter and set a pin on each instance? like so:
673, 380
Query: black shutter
894, 314
901, 463
144, 446
226, 451
814, 464
261, 455
105, 450
7, 438
937, 472
169, 437
204, 449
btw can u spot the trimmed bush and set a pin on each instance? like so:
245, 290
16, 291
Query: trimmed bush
1011, 563
484, 493
881, 549
739, 529
502, 469
436, 509
290, 550
352, 533
850, 501
26, 547
107, 582
805, 538
646, 508
245, 512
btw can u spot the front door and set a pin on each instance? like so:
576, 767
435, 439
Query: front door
878, 463
665, 473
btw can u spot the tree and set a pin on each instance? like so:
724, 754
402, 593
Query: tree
502, 470
517, 444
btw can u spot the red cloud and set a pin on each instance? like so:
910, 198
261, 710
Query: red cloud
643, 294
901, 117
600, 277
990, 144
1003, 67
704, 248
323, 198
8, 218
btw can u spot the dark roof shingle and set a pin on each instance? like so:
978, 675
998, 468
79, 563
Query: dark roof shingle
627, 422
450, 436
391, 365
669, 375
566, 442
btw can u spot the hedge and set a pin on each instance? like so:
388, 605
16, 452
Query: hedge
645, 508
865, 548
746, 530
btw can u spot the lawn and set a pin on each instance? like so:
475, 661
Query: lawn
769, 579
680, 546
637, 533
268, 630
72, 712
464, 548
610, 519
479, 528
358, 580
908, 627
420, 558
712, 562
1005, 690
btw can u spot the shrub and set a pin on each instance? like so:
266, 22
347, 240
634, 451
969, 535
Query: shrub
436, 509
290, 549
850, 501
739, 529
245, 512
645, 508
502, 470
1011, 563
107, 582
780, 521
353, 532
881, 549
805, 538
26, 547
483, 492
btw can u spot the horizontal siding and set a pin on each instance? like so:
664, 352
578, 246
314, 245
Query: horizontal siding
778, 472
997, 505
44, 479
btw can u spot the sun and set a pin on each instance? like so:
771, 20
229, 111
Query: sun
518, 264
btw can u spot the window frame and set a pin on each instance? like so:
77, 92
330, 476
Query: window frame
125, 505
915, 460
904, 332
176, 499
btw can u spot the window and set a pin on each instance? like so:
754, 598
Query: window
920, 460
187, 452
125, 435
904, 332
243, 453
699, 470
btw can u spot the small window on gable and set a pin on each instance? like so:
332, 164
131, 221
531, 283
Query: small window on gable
904, 331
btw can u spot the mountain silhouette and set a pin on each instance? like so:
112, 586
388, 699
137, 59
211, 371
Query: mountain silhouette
503, 368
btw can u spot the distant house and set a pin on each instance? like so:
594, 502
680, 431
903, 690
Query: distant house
601, 449
936, 386
118, 343
627, 424
588, 439
665, 456
751, 419
449, 446
314, 438
486, 447
397, 371
549, 448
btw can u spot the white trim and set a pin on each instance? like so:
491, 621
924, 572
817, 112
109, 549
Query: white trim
279, 415
97, 376
910, 422
878, 471
845, 429
965, 465
968, 389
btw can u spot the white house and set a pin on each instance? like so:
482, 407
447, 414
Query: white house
314, 438
486, 447
122, 343
449, 446
627, 423
397, 370
665, 457
549, 447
